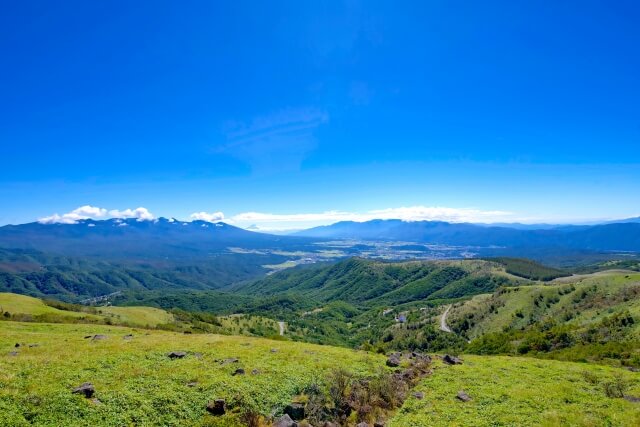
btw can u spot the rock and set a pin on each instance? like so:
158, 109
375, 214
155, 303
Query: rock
632, 399
421, 357
463, 396
127, 337
418, 395
255, 372
13, 353
217, 407
88, 336
229, 360
192, 384
238, 371
274, 350
295, 411
393, 360
451, 360
99, 337
284, 421
176, 355
34, 345
17, 345
86, 389
362, 424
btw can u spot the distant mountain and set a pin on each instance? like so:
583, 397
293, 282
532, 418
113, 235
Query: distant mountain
131, 238
93, 258
621, 236
625, 221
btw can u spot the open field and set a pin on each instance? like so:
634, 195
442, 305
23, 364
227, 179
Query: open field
134, 316
512, 391
137, 384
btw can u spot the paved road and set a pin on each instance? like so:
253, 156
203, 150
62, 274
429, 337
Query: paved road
281, 325
443, 320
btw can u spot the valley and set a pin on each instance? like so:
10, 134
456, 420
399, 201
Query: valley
269, 322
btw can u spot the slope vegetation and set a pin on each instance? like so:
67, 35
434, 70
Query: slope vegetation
136, 383
511, 391
594, 317
376, 283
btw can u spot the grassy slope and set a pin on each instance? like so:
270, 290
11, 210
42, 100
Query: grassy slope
378, 283
604, 296
511, 391
22, 304
138, 384
138, 316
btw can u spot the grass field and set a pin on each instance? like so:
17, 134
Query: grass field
137, 384
138, 316
22, 304
134, 316
508, 391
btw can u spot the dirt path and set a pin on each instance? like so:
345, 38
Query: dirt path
281, 325
443, 320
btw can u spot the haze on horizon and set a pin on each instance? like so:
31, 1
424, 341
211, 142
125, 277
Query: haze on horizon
289, 115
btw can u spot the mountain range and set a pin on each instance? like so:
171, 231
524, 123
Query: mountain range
618, 236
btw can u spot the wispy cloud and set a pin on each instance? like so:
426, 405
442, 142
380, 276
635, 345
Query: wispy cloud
92, 212
276, 141
270, 221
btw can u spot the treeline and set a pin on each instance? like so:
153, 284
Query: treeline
528, 269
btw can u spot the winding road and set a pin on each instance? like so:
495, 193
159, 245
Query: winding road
443, 320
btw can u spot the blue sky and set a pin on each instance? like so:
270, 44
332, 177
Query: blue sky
478, 111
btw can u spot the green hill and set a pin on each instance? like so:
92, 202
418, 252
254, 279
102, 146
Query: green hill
376, 283
592, 317
23, 308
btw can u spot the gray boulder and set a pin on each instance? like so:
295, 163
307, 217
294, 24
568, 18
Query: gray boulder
463, 396
176, 354
217, 407
85, 389
285, 421
451, 360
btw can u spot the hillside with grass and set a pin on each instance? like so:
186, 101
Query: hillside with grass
588, 317
14, 307
516, 391
377, 283
146, 377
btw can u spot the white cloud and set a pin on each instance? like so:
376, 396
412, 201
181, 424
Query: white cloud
83, 212
269, 221
209, 217
142, 214
92, 212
